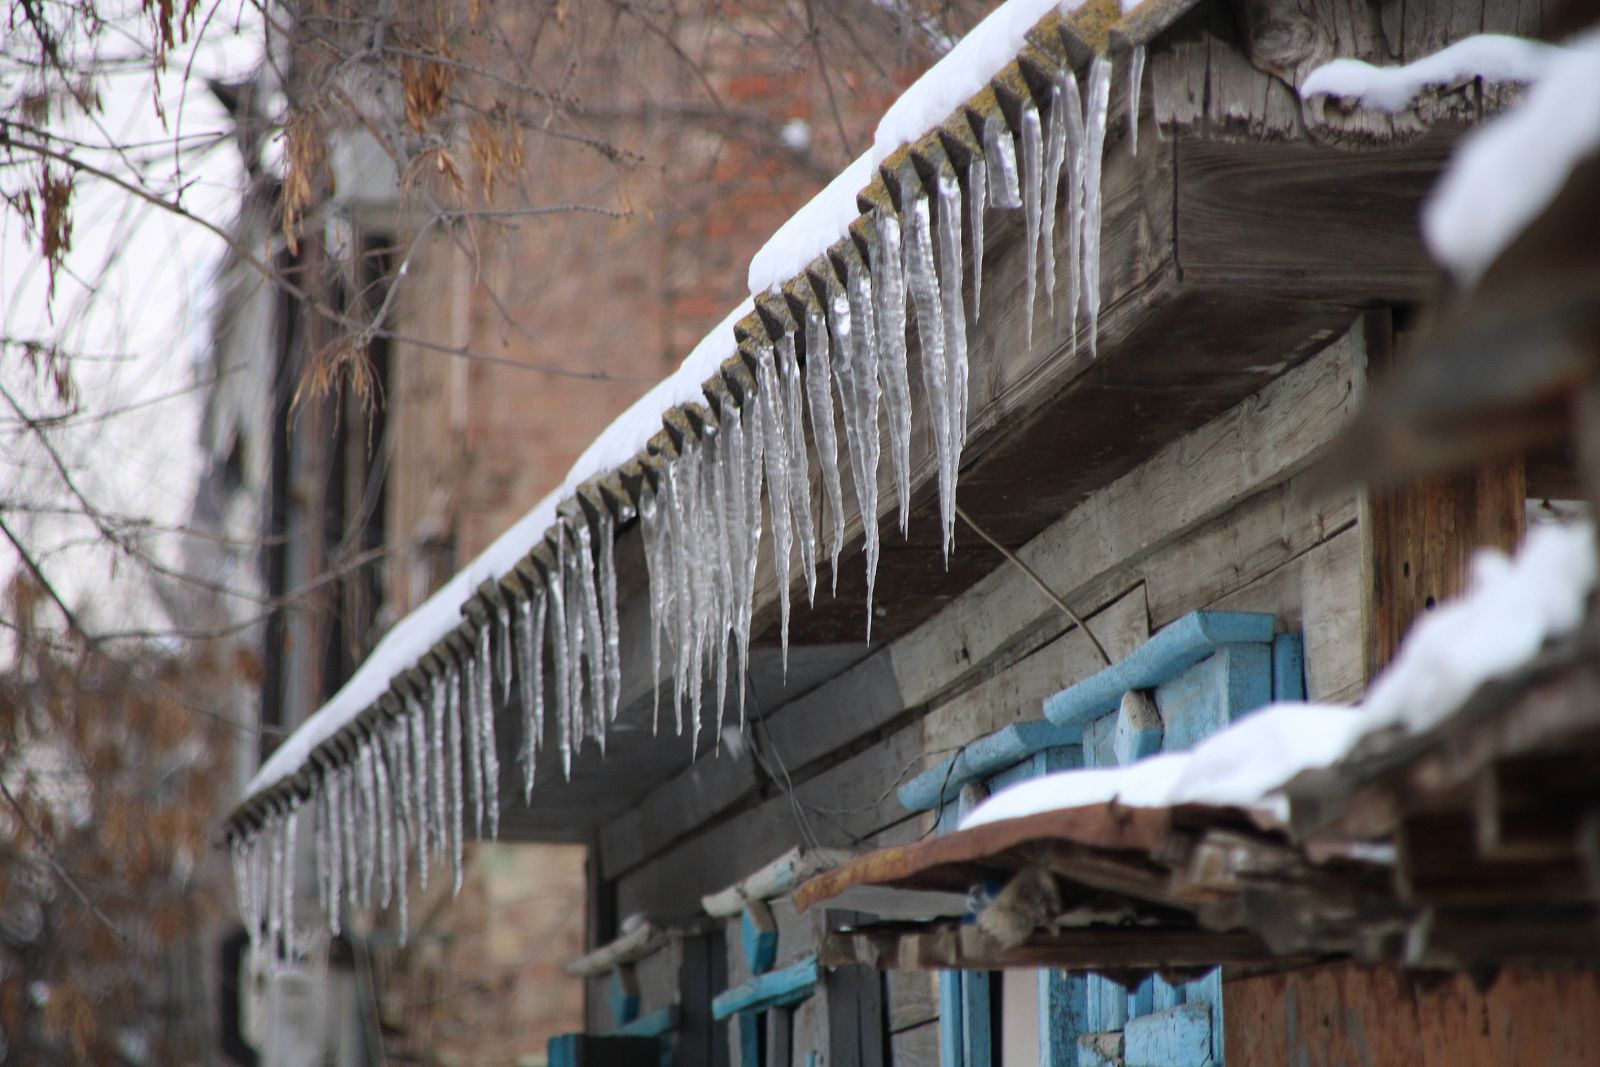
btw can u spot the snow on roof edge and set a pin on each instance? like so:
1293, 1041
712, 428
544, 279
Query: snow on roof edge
424, 626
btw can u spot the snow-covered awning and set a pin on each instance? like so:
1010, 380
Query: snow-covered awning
1295, 830
384, 762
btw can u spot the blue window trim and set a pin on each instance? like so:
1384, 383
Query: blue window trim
1205, 670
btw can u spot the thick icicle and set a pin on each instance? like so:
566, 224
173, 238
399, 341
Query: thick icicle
955, 343
977, 201
488, 752
1094, 121
291, 831
878, 306
1072, 157
272, 833
1135, 82
819, 399
437, 772
858, 394
471, 695
774, 420
331, 786
555, 595
398, 741
1032, 198
714, 534
385, 813
653, 526
923, 280
367, 789
799, 468
319, 844
529, 647
351, 795
1055, 148
1001, 153
593, 635
453, 757
607, 547
502, 637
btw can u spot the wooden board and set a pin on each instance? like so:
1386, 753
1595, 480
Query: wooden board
1350, 1014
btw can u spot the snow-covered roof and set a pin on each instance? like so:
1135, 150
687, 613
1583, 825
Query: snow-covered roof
1514, 608
807, 235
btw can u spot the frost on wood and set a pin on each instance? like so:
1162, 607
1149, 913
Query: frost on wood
387, 790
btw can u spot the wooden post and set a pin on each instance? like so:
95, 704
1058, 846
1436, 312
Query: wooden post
1418, 541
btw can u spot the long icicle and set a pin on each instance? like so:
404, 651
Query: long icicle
1094, 121
977, 202
488, 751
799, 469
922, 278
1135, 82
880, 321
858, 393
1072, 158
1055, 149
607, 553
955, 343
819, 399
775, 423
1032, 189
472, 710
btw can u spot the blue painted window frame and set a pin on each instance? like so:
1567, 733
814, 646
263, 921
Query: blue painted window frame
1205, 671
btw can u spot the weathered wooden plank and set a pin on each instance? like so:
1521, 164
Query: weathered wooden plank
840, 806
917, 1046
1419, 540
1358, 1014
913, 998
1277, 218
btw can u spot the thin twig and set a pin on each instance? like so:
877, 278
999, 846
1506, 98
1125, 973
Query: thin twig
1038, 581
61, 872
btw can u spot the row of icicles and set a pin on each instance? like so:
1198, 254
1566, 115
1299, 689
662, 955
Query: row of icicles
402, 791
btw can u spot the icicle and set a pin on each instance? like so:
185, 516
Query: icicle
1032, 197
925, 285
385, 813
679, 563
405, 797
1072, 154
653, 529
1135, 82
239, 854
858, 394
471, 711
1055, 148
752, 464
608, 614
368, 788
593, 634
438, 772
488, 751
578, 720
1001, 153
977, 201
502, 638
555, 595
319, 845
529, 640
819, 399
799, 469
331, 784
774, 422
1094, 121
453, 759
881, 302
350, 793
291, 833
955, 355
275, 879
